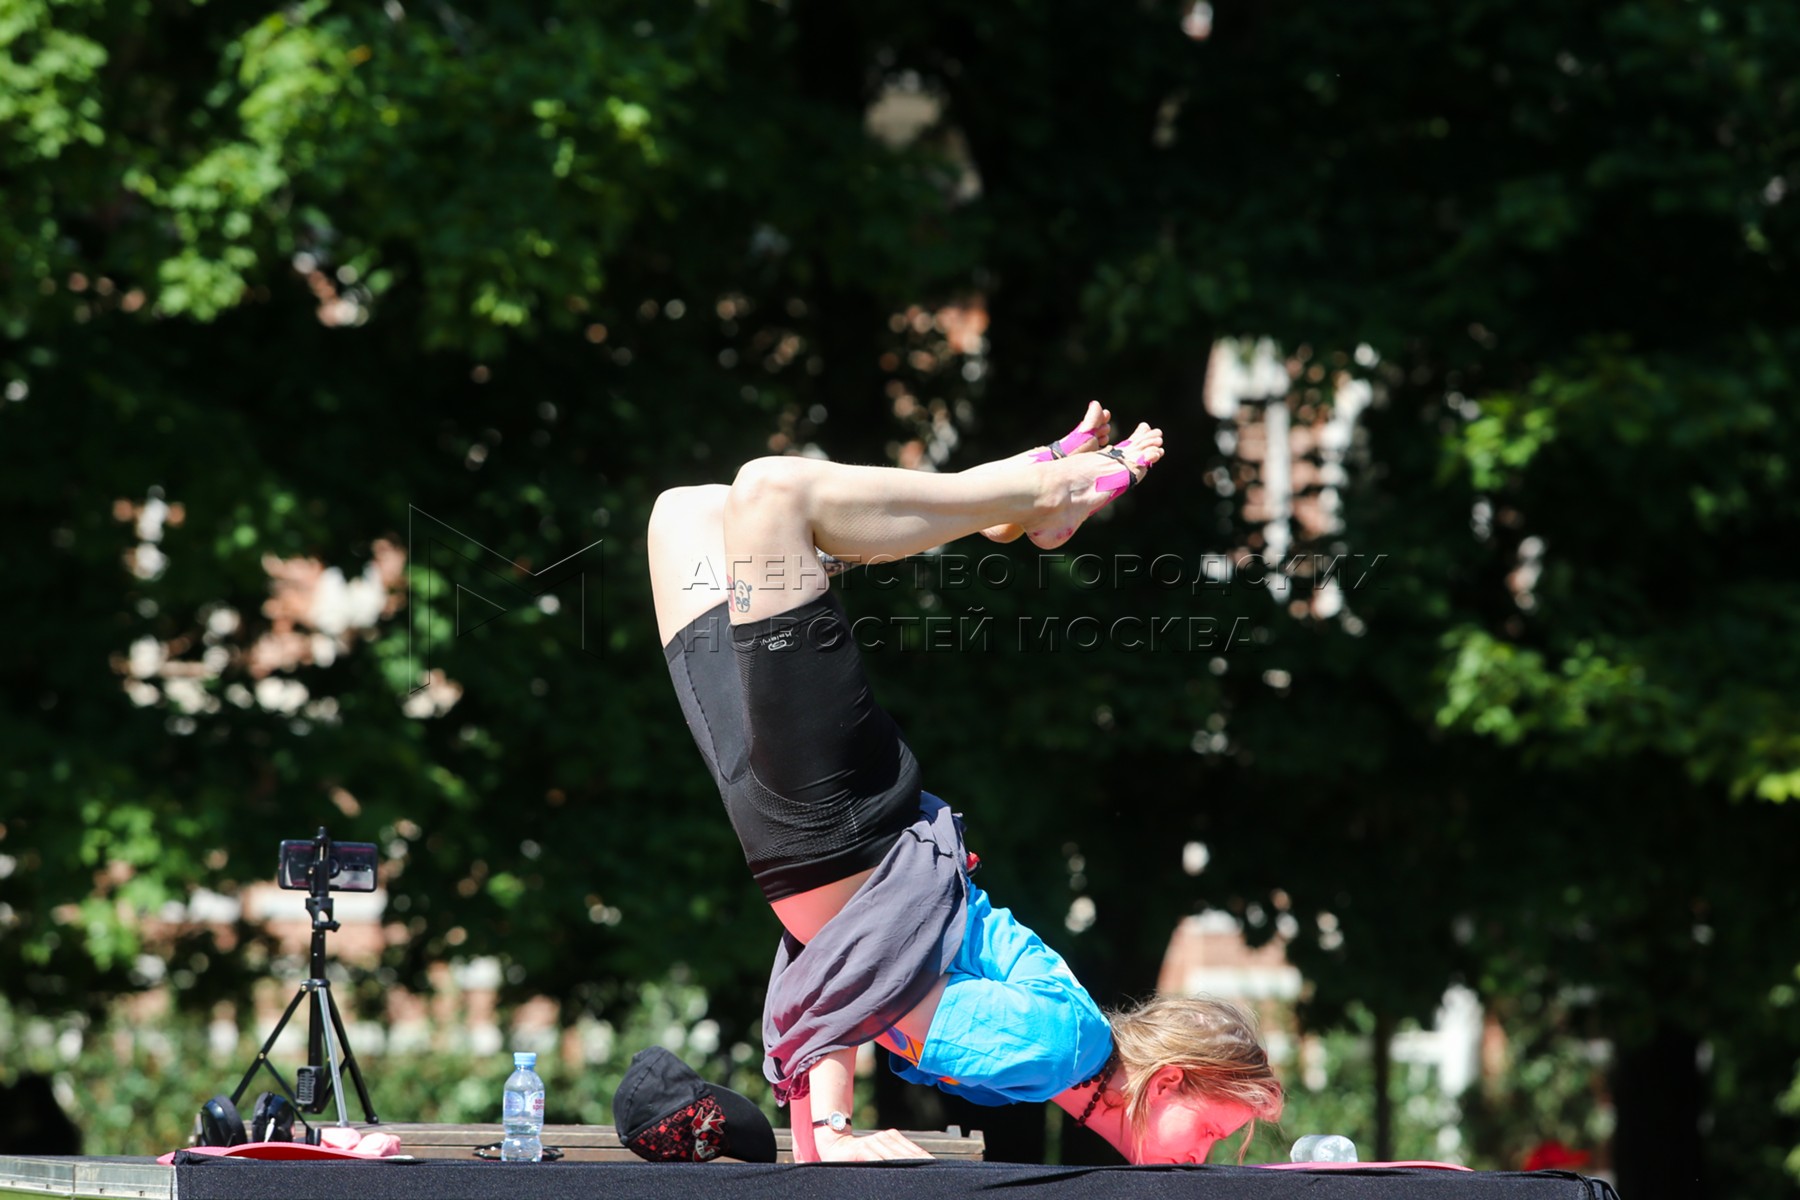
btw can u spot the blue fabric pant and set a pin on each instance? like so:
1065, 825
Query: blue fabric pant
1014, 1024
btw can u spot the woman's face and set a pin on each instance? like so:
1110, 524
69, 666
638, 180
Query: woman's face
1184, 1127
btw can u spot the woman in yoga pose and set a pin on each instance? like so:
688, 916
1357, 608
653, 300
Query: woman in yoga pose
886, 937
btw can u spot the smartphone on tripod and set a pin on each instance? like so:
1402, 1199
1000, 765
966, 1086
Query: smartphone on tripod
319, 867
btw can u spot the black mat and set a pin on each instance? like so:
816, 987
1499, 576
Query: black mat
212, 1178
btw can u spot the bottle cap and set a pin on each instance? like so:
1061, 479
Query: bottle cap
524, 1058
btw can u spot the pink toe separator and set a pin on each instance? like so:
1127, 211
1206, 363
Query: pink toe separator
1070, 443
1116, 483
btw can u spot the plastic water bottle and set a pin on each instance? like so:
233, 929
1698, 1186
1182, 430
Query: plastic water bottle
1323, 1147
522, 1111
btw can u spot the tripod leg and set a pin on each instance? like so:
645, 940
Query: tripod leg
261, 1060
356, 1077
327, 1015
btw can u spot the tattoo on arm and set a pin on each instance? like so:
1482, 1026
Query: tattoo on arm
740, 595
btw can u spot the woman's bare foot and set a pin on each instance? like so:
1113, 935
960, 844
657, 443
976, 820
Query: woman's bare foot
1087, 436
1089, 482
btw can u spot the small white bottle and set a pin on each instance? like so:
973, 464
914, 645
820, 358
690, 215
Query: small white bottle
522, 1111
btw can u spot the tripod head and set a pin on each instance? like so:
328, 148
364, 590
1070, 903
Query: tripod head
322, 866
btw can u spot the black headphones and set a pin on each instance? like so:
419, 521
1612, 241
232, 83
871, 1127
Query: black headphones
271, 1120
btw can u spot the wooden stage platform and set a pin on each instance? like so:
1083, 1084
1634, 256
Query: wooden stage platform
212, 1178
439, 1165
598, 1143
129, 1178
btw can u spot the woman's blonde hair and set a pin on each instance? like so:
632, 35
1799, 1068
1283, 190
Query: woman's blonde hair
1214, 1043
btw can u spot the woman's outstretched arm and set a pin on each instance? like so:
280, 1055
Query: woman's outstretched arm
833, 1090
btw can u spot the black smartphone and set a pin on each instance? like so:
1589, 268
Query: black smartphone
349, 866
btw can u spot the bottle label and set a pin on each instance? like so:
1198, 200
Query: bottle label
520, 1106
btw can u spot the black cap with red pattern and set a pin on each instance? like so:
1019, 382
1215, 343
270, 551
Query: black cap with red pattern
664, 1112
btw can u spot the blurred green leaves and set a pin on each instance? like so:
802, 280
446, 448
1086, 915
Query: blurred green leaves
46, 102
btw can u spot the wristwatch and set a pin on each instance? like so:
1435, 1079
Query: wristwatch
837, 1122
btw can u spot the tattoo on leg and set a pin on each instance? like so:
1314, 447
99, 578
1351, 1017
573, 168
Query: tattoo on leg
740, 595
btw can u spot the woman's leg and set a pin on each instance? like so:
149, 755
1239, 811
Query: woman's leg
779, 509
687, 555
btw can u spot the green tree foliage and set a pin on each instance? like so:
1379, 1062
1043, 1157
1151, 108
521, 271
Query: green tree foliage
480, 280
